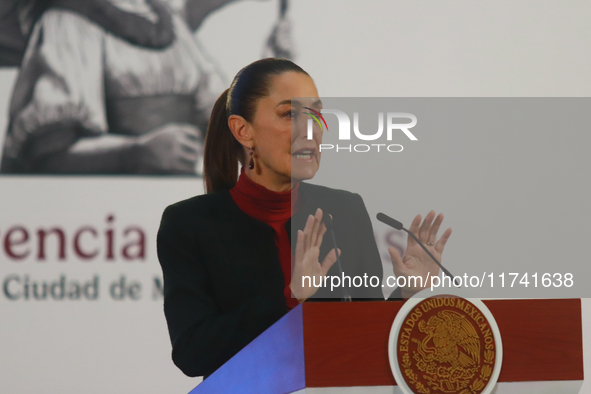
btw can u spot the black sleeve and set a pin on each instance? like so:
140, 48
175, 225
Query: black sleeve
203, 338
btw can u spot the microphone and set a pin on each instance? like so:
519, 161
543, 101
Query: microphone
390, 221
327, 220
398, 226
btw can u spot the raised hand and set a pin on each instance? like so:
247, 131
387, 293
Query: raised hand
306, 258
415, 261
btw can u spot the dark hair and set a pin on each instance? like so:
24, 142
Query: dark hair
222, 151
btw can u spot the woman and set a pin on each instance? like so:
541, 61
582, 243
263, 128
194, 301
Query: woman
227, 256
110, 87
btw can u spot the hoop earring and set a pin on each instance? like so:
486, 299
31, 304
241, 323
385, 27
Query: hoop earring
251, 161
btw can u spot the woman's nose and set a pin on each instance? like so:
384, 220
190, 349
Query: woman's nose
311, 130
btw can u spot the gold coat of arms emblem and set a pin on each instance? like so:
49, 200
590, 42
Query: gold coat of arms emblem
444, 345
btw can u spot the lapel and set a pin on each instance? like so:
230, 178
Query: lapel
298, 220
309, 202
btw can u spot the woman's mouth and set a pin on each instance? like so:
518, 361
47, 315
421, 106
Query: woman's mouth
304, 154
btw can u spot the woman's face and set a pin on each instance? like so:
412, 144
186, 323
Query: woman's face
280, 128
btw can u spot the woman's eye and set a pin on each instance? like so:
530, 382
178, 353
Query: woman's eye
291, 114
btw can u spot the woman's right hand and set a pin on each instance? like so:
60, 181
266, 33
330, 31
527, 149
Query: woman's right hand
172, 148
306, 258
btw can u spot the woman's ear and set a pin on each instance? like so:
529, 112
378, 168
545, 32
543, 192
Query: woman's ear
241, 130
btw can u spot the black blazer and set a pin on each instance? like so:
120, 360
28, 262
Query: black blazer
223, 282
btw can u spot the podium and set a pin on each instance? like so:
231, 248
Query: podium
342, 347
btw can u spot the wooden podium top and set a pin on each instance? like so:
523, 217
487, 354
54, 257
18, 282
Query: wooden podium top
345, 344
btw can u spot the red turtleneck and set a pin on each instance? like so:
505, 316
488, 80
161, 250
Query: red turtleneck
274, 209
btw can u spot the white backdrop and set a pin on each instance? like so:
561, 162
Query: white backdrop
351, 48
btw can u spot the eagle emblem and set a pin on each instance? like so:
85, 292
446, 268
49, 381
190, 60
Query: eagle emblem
451, 339
445, 346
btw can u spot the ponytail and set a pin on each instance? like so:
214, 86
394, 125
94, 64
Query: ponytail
222, 151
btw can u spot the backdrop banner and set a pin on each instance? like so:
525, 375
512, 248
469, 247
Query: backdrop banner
103, 113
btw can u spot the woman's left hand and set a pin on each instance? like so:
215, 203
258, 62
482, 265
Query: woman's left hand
306, 264
416, 262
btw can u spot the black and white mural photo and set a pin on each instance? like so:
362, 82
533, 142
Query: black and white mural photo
113, 86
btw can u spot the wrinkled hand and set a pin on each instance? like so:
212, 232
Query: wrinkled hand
415, 261
172, 148
306, 258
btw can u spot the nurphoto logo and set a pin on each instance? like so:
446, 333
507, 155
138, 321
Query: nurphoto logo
393, 125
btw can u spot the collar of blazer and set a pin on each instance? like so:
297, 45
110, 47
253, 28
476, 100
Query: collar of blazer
311, 197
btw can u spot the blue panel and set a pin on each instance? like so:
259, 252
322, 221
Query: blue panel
273, 363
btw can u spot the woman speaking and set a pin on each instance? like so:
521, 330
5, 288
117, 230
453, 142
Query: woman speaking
232, 266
